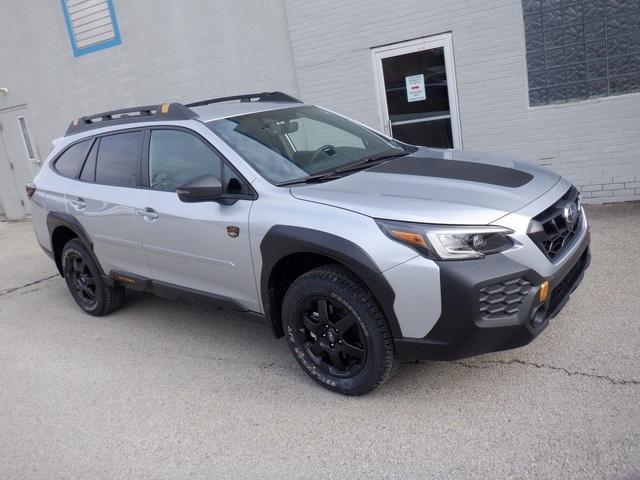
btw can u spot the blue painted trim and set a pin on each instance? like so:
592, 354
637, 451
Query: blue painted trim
77, 52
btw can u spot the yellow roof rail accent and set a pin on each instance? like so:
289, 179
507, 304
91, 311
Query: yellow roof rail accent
164, 108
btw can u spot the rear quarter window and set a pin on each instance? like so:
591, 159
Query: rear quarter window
70, 162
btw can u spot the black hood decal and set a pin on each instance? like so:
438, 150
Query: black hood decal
455, 170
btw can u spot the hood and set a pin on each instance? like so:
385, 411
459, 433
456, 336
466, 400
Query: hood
436, 186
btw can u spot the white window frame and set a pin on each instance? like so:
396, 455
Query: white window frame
32, 143
444, 41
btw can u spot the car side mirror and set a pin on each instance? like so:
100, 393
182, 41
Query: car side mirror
203, 189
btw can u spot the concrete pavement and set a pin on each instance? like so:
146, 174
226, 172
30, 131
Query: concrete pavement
163, 389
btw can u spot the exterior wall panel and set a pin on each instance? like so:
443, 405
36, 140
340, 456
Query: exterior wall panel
321, 51
594, 142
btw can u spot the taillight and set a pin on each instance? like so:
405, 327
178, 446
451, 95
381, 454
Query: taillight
31, 189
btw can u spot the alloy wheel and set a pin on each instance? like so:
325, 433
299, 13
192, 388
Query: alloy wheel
332, 336
81, 279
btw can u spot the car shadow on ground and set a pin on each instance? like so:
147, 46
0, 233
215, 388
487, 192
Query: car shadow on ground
228, 335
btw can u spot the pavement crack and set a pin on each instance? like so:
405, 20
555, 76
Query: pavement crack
25, 285
517, 361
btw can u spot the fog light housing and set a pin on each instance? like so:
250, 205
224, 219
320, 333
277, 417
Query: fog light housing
538, 318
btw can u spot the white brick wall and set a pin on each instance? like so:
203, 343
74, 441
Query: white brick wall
595, 143
195, 49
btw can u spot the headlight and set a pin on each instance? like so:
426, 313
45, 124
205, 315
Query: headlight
446, 242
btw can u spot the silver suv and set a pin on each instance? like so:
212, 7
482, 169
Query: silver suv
355, 247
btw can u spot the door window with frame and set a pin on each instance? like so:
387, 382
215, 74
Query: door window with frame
118, 156
418, 98
177, 158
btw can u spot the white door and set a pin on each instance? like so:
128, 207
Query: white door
417, 92
19, 157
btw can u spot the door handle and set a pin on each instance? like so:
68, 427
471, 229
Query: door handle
148, 213
78, 204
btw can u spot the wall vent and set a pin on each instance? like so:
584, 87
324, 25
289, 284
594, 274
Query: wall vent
91, 25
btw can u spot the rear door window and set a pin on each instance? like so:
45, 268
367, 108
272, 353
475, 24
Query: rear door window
70, 162
118, 159
88, 173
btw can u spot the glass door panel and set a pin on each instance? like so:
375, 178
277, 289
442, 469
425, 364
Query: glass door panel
417, 92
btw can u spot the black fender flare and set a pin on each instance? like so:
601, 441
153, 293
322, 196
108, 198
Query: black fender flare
60, 219
283, 240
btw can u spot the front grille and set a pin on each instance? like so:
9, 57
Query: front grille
503, 299
552, 230
568, 283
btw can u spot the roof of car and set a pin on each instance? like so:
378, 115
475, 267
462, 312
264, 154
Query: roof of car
204, 110
215, 111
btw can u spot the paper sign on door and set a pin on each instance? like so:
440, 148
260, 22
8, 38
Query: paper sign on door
416, 91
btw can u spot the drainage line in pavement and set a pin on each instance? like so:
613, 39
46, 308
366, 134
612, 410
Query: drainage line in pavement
35, 282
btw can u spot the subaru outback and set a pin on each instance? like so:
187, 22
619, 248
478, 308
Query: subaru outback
357, 248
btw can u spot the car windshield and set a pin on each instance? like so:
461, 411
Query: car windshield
297, 143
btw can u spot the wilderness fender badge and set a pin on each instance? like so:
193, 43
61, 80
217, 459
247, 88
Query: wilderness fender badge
233, 231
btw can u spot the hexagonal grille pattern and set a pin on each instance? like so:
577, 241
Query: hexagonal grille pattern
503, 299
559, 233
551, 231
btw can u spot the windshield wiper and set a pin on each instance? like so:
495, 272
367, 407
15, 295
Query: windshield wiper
337, 172
367, 161
310, 179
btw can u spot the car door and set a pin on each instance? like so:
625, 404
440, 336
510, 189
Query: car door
201, 246
103, 200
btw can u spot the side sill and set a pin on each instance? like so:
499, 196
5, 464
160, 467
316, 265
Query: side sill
174, 292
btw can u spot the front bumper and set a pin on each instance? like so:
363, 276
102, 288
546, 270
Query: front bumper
467, 326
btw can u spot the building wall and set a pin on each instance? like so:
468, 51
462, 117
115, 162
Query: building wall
595, 143
196, 49
183, 50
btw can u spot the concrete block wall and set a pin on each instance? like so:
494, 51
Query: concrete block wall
595, 143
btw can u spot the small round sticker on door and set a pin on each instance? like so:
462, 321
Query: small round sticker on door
233, 231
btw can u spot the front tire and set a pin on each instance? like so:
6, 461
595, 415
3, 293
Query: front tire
337, 331
85, 282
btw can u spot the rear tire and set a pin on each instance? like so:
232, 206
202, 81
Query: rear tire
337, 331
85, 282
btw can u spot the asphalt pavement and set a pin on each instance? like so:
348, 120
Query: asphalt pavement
168, 389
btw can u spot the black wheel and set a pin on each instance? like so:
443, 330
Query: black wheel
337, 331
85, 281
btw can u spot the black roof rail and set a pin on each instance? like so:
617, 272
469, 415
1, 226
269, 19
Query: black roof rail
259, 97
164, 111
